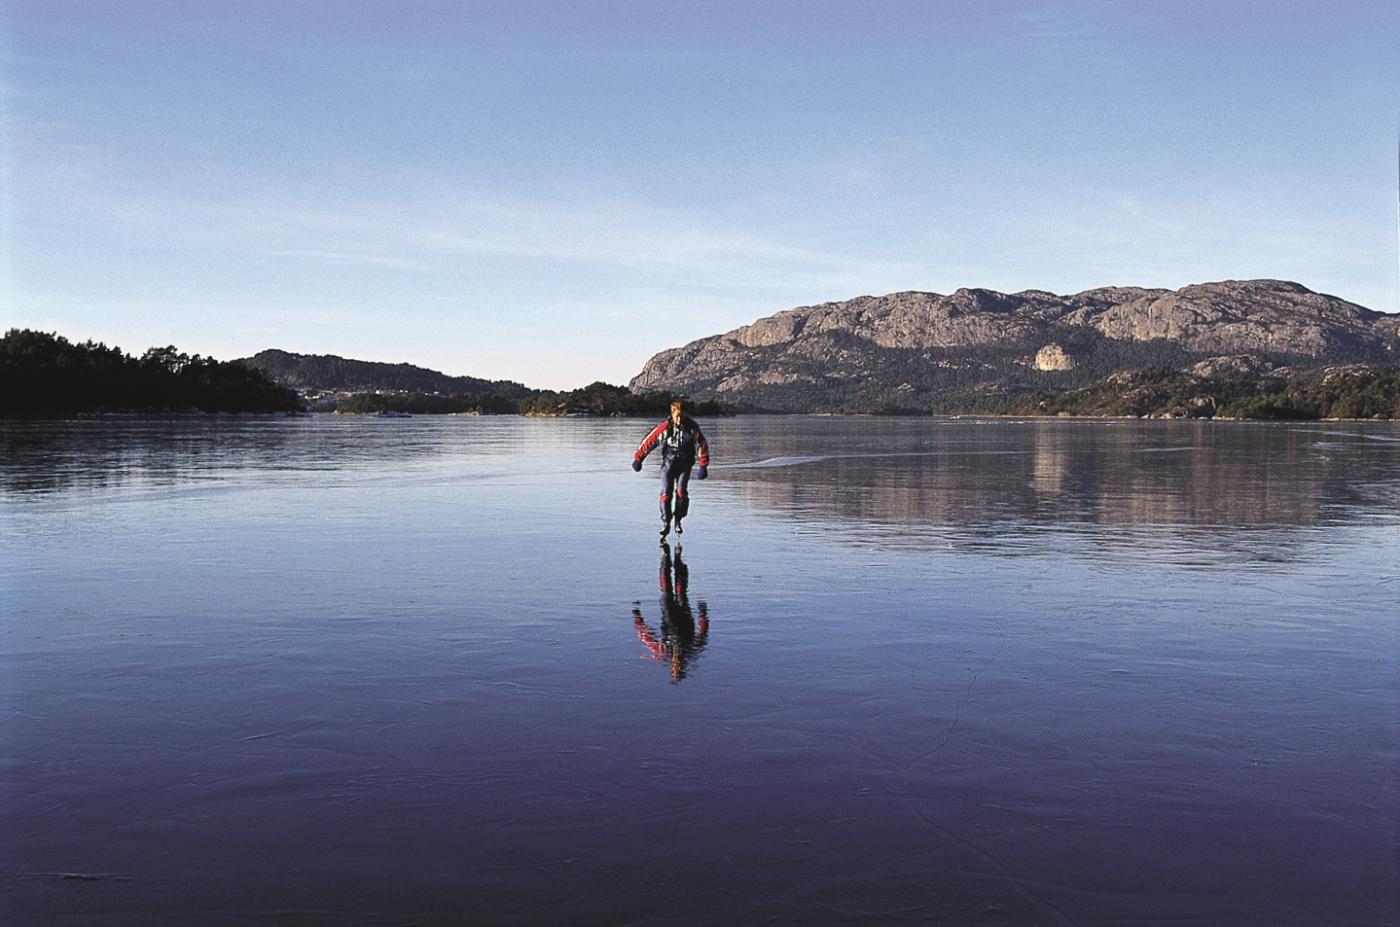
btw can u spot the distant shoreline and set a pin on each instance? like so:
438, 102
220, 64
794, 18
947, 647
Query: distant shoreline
46, 376
137, 416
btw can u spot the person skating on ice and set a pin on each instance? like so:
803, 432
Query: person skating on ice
682, 447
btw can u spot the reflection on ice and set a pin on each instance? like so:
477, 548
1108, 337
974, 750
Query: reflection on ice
1119, 486
681, 636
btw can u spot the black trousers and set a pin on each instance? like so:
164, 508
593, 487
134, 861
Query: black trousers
675, 477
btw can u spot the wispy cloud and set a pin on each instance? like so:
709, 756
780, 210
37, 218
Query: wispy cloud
637, 239
1060, 20
347, 258
430, 231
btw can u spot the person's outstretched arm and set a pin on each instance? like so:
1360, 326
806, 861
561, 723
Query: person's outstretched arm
649, 442
654, 647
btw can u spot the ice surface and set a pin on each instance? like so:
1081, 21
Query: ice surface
348, 671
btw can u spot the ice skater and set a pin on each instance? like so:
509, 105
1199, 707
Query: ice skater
682, 447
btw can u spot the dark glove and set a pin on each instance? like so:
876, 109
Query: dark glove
636, 465
700, 473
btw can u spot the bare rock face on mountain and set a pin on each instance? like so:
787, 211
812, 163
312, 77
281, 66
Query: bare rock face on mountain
1053, 357
1236, 317
914, 350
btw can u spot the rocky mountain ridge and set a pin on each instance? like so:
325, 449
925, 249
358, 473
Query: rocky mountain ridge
915, 351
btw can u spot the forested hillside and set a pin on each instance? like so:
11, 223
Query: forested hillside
46, 375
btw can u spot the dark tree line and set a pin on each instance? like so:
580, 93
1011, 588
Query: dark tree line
604, 399
1364, 392
426, 404
45, 375
1373, 392
594, 399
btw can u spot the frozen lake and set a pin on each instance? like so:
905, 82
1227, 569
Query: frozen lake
426, 671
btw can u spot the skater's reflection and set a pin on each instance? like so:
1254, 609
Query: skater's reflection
682, 637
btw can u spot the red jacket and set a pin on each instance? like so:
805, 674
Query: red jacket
684, 443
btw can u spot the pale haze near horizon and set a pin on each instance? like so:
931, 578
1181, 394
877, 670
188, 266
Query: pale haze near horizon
553, 192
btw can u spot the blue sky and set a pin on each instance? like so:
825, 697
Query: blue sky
553, 191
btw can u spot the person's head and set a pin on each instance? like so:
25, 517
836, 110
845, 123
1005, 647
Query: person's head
677, 410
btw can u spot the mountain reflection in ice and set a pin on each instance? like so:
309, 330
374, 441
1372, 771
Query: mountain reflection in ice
1014, 487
